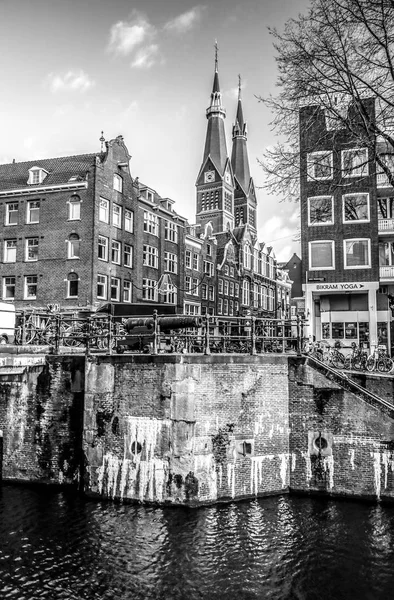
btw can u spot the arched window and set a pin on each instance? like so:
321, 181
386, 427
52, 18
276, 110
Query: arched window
247, 256
245, 292
73, 246
72, 285
74, 208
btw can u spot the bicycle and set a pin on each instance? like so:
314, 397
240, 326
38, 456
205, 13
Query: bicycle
380, 361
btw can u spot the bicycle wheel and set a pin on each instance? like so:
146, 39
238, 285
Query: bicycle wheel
338, 360
385, 365
370, 364
348, 363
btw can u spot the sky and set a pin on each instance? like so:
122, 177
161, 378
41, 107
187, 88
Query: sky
70, 69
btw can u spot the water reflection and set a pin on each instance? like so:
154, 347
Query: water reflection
55, 545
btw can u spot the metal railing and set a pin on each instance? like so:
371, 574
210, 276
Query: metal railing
104, 333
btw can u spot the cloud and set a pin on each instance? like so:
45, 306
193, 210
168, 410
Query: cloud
72, 81
125, 36
186, 21
146, 57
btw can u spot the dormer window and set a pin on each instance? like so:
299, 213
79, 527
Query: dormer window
36, 176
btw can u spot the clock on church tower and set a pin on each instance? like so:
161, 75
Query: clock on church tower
209, 176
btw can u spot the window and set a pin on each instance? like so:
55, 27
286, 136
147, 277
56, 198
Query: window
265, 298
191, 309
151, 223
225, 306
226, 288
102, 282
195, 261
36, 176
386, 254
319, 166
170, 262
170, 297
357, 253
231, 288
204, 291
115, 289
102, 247
220, 306
209, 250
30, 291
128, 256
226, 270
247, 256
149, 289
33, 211
211, 293
220, 286
355, 162
385, 208
208, 268
9, 287
236, 291
115, 252
231, 308
321, 210
321, 255
129, 220
188, 284
118, 183
195, 287
171, 232
73, 246
231, 271
74, 208
104, 211
31, 249
188, 259
255, 295
245, 292
72, 285
11, 213
382, 179
150, 257
127, 291
10, 251
116, 215
355, 207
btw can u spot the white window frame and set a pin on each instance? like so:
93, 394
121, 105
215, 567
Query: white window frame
171, 231
247, 257
129, 220
245, 292
69, 281
170, 262
36, 176
353, 240
149, 289
105, 246
117, 215
331, 222
220, 285
72, 244
7, 285
118, 183
150, 256
151, 223
28, 283
128, 256
368, 208
28, 245
195, 261
30, 211
208, 268
195, 286
171, 297
188, 259
126, 290
311, 164
104, 210
114, 285
360, 171
13, 211
116, 252
104, 283
10, 245
74, 208
311, 244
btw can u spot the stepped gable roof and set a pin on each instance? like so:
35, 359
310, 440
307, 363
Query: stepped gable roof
222, 240
60, 170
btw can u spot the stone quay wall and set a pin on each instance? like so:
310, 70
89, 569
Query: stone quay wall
192, 429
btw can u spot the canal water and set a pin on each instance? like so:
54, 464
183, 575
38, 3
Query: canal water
56, 545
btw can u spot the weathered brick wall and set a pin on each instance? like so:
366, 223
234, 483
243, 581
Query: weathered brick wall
358, 458
186, 428
41, 405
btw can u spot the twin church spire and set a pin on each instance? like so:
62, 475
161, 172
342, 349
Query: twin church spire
225, 191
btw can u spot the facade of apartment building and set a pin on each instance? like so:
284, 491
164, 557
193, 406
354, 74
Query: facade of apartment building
346, 233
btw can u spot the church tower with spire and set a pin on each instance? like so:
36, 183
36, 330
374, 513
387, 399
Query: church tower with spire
245, 203
215, 181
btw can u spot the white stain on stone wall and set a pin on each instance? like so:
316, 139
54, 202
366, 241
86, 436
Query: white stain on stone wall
377, 469
351, 453
256, 473
205, 471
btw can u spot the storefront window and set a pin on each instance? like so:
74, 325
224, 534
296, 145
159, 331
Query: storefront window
351, 331
337, 331
325, 331
363, 330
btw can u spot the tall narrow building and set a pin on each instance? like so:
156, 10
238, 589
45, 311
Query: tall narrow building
245, 202
215, 182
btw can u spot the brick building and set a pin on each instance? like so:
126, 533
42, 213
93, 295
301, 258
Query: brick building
346, 231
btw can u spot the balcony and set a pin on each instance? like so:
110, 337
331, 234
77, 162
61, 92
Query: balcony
386, 225
386, 273
382, 180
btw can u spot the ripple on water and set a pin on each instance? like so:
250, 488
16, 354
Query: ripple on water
56, 545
